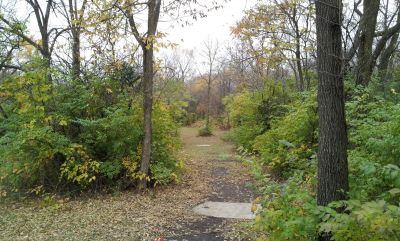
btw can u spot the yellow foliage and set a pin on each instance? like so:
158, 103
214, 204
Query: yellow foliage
79, 167
63, 123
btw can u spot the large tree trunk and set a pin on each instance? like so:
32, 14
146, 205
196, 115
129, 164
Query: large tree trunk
367, 25
42, 20
47, 60
332, 150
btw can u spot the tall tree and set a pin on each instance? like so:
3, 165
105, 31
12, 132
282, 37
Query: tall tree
332, 144
146, 43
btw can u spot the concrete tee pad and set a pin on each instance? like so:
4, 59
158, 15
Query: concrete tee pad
225, 210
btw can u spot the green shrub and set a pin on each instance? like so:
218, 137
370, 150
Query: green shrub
374, 134
373, 211
289, 211
189, 118
251, 113
373, 220
166, 145
205, 131
31, 158
290, 144
286, 144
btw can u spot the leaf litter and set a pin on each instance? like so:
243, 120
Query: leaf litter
165, 211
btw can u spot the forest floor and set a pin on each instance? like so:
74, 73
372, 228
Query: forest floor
212, 173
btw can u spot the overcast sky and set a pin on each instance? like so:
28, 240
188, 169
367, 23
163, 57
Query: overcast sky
215, 26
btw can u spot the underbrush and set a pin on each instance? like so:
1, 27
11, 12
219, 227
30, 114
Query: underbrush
205, 131
74, 137
251, 113
287, 149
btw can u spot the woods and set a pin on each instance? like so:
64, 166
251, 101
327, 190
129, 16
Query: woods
95, 95
322, 164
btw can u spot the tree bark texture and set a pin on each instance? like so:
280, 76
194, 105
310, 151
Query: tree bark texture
332, 151
148, 75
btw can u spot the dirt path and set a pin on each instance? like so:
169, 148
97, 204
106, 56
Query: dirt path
212, 173
226, 179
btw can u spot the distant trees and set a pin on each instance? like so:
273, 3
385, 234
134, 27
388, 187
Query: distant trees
280, 33
48, 35
74, 13
180, 64
372, 31
210, 53
208, 91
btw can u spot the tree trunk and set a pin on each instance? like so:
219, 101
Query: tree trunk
284, 89
47, 65
148, 74
296, 75
298, 52
147, 108
45, 51
384, 61
299, 69
385, 56
332, 150
76, 23
76, 54
367, 25
208, 101
43, 24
